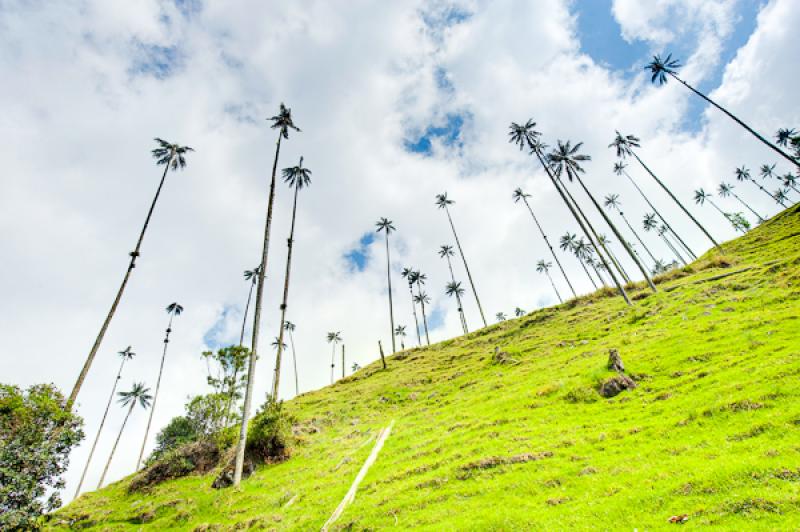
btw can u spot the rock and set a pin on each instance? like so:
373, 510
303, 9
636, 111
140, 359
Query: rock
501, 357
615, 361
615, 385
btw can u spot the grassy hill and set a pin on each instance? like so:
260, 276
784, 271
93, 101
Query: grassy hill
712, 430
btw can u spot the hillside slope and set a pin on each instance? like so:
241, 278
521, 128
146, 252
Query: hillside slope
712, 430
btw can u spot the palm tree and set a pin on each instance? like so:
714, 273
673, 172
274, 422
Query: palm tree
784, 135
742, 173
767, 171
137, 394
566, 159
725, 190
297, 177
500, 316
408, 274
569, 242
625, 146
423, 298
290, 327
606, 242
355, 367
252, 277
126, 354
544, 267
276, 342
333, 339
518, 312
283, 123
173, 309
790, 181
660, 69
442, 201
447, 252
701, 196
525, 136
650, 223
585, 252
781, 196
520, 195
400, 332
454, 289
612, 202
170, 156
386, 226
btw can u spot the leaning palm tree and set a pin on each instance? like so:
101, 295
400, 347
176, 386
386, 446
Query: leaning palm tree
742, 174
333, 339
126, 354
606, 242
443, 202
568, 243
408, 274
650, 223
137, 394
170, 156
500, 316
283, 123
297, 177
290, 327
173, 309
520, 195
566, 159
790, 181
385, 225
784, 136
400, 332
625, 146
544, 267
782, 196
701, 197
422, 298
725, 190
661, 68
454, 289
585, 253
251, 276
612, 202
446, 252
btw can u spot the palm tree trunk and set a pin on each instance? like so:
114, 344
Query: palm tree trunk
414, 310
343, 365
389, 281
554, 286
673, 249
114, 448
597, 273
458, 297
552, 252
131, 265
251, 367
615, 259
637, 236
424, 317
765, 191
246, 309
663, 220
333, 357
276, 378
469, 275
100, 429
735, 119
587, 273
155, 395
760, 219
294, 359
720, 211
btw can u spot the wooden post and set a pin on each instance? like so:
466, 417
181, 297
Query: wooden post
383, 358
343, 366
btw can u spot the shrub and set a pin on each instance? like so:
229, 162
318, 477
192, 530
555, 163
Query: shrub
194, 457
179, 431
269, 433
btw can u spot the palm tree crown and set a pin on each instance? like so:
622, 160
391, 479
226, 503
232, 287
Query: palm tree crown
524, 135
170, 154
767, 170
660, 68
297, 176
289, 326
784, 135
334, 337
174, 309
138, 393
725, 190
283, 121
742, 173
500, 316
126, 353
700, 196
543, 266
384, 224
454, 288
624, 145
400, 330
442, 201
612, 201
251, 275
566, 159
446, 251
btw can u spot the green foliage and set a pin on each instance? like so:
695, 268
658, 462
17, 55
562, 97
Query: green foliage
36, 436
269, 434
180, 430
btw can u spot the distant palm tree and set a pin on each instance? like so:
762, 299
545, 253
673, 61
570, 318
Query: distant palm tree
518, 312
283, 123
447, 252
661, 68
422, 298
544, 267
725, 190
569, 242
606, 242
784, 135
386, 226
334, 338
276, 342
500, 316
743, 174
625, 146
355, 367
781, 196
659, 267
701, 196
790, 181
443, 202
126, 354
173, 309
611, 201
520, 195
137, 394
454, 289
400, 332
408, 274
585, 252
767, 171
252, 277
650, 223
290, 327
296, 177
170, 156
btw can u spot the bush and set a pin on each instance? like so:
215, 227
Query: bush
179, 431
195, 457
269, 433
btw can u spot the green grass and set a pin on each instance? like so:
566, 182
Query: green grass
712, 430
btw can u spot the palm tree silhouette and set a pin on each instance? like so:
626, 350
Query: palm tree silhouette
544, 267
500, 316
408, 274
276, 342
250, 276
125, 355
784, 135
518, 312
701, 196
585, 252
173, 309
422, 298
290, 327
725, 190
283, 123
137, 394
612, 202
386, 226
447, 252
790, 181
333, 339
625, 146
767, 171
454, 289
296, 177
170, 156
742, 173
606, 242
569, 242
661, 68
781, 196
442, 201
520, 195
650, 223
400, 332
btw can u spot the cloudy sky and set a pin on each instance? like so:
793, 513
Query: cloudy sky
398, 101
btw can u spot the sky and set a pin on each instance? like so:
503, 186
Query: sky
397, 102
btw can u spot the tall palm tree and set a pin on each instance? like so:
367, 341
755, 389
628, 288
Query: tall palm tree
612, 202
566, 159
625, 146
170, 156
276, 342
126, 354
422, 298
400, 332
781, 196
661, 68
137, 394
454, 289
619, 169
701, 197
408, 274
443, 202
520, 195
767, 171
290, 327
500, 316
650, 223
283, 123
524, 135
250, 276
333, 339
784, 136
742, 174
446, 252
606, 242
173, 309
585, 252
297, 177
725, 190
790, 181
544, 267
386, 226
569, 242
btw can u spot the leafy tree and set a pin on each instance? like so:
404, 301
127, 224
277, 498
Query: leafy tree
37, 433
334, 338
385, 225
743, 174
544, 267
612, 202
170, 156
230, 378
137, 394
408, 274
251, 276
400, 332
290, 327
446, 252
725, 190
179, 431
